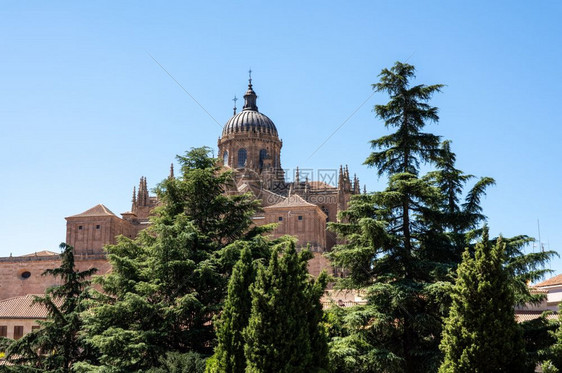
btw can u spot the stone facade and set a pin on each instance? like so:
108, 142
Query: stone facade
22, 275
251, 148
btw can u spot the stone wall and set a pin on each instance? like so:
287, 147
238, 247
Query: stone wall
22, 275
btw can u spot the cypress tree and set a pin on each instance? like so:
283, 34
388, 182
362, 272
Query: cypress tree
481, 334
284, 333
229, 353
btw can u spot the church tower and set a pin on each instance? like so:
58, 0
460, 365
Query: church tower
250, 141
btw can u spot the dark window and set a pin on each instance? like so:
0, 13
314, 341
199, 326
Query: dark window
98, 226
80, 227
280, 218
263, 156
25, 275
225, 158
3, 331
242, 155
300, 217
35, 327
18, 332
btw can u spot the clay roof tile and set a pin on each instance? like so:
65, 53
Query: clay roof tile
98, 210
22, 308
556, 280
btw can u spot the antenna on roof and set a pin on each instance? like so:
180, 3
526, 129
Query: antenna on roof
235, 99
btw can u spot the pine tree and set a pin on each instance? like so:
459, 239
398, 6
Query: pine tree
284, 333
481, 334
168, 284
57, 345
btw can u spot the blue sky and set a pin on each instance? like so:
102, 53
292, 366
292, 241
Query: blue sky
85, 111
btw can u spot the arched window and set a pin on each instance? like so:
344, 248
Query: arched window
225, 158
263, 156
242, 158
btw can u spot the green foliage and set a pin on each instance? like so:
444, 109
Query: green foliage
525, 268
553, 353
176, 362
408, 112
548, 367
57, 345
402, 245
538, 335
229, 353
168, 284
285, 331
481, 334
390, 248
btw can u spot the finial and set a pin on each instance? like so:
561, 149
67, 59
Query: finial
364, 188
235, 99
134, 195
171, 171
250, 96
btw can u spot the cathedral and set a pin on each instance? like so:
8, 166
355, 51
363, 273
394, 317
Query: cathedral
250, 146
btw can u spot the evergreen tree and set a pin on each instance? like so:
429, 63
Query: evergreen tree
525, 268
408, 112
284, 332
57, 345
539, 336
168, 284
552, 354
387, 249
481, 334
229, 353
454, 220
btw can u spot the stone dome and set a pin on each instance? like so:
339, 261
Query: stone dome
249, 120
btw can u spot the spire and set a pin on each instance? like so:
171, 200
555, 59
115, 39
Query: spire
142, 194
234, 108
139, 193
250, 96
340, 178
145, 192
364, 188
171, 171
297, 178
134, 200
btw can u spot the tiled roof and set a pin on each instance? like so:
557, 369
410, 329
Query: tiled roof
42, 253
556, 280
249, 120
98, 210
22, 308
292, 201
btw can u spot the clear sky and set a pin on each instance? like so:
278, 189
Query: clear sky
85, 111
